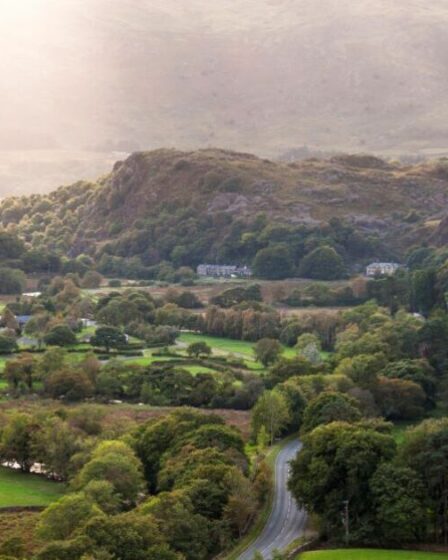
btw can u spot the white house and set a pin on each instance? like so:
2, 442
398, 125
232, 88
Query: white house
382, 268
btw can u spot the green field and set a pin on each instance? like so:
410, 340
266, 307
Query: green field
194, 370
371, 554
19, 489
240, 348
221, 345
149, 359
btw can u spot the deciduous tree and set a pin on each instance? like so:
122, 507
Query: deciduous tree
272, 412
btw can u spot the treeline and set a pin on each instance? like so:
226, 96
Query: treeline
177, 488
391, 495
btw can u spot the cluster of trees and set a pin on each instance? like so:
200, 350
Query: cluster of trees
172, 236
241, 324
351, 471
54, 374
322, 252
135, 310
235, 296
392, 365
56, 439
168, 384
176, 488
320, 295
17, 259
58, 314
391, 495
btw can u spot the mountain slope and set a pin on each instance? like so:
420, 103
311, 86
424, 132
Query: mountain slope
218, 205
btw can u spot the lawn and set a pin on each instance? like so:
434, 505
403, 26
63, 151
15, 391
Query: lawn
19, 489
240, 348
221, 345
194, 370
149, 359
371, 554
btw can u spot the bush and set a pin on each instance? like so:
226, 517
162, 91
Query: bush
91, 280
7, 344
61, 335
70, 384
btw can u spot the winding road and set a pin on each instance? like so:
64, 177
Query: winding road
286, 521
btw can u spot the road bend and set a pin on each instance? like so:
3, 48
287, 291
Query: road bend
286, 521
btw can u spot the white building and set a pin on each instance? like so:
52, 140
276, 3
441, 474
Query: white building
382, 269
223, 271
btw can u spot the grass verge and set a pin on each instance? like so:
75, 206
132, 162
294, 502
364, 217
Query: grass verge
371, 554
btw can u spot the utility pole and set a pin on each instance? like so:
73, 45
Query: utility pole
346, 522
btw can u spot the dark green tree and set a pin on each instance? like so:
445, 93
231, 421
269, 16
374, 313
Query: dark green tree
12, 281
425, 450
8, 344
273, 263
198, 349
60, 335
424, 293
399, 503
330, 407
267, 350
323, 263
108, 337
336, 464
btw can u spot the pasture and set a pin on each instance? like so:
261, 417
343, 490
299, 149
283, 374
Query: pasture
19, 489
371, 554
239, 348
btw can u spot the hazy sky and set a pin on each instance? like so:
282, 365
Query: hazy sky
262, 75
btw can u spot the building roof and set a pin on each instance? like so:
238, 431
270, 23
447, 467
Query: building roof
23, 318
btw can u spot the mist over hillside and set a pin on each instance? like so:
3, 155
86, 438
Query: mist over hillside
265, 76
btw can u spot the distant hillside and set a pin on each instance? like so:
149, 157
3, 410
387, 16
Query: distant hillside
217, 205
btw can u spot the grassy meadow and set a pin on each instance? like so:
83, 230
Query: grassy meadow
240, 348
18, 489
371, 554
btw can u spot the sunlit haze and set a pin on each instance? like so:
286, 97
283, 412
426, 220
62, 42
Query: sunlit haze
84, 77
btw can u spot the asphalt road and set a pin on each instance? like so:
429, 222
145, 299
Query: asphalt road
287, 521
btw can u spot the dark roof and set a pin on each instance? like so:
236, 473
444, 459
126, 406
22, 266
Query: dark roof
23, 318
